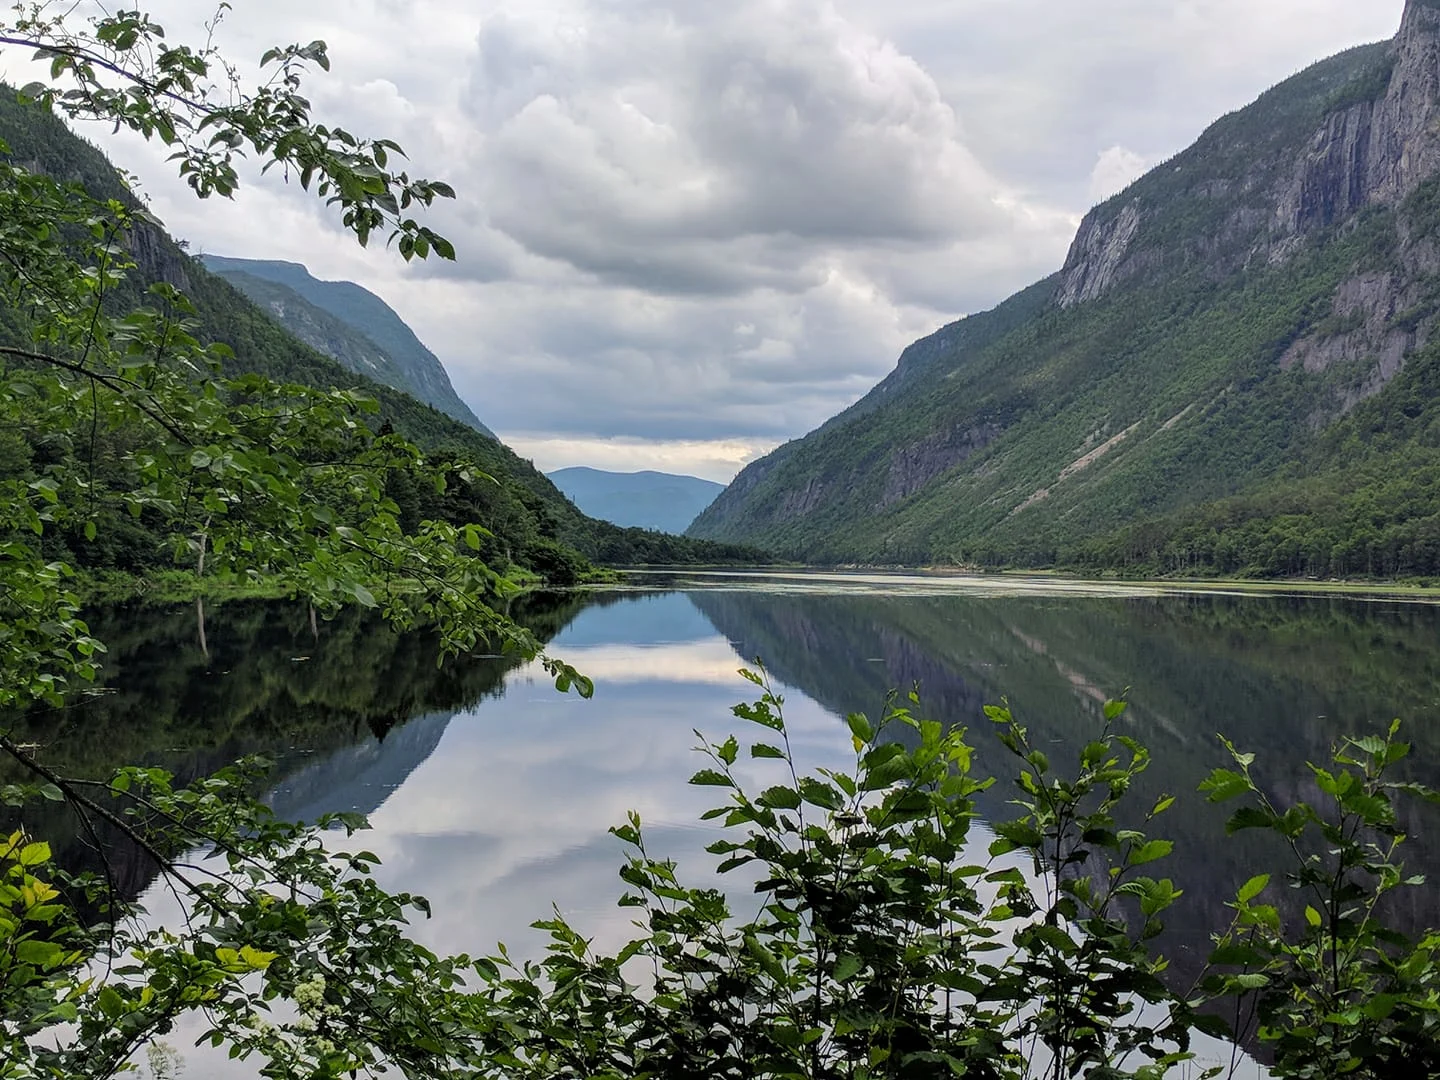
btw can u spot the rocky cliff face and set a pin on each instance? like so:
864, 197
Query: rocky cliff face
1374, 140
1265, 304
914, 466
1405, 139
1097, 256
1378, 150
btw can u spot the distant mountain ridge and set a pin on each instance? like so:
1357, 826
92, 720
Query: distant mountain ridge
350, 324
667, 502
532, 524
1236, 370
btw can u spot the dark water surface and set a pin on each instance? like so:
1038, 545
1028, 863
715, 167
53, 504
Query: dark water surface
491, 794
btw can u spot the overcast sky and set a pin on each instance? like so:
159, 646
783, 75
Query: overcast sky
689, 230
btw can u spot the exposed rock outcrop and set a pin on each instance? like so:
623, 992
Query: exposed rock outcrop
1096, 257
1333, 179
1376, 150
1405, 144
915, 465
1378, 143
157, 256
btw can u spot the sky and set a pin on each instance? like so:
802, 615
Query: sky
689, 230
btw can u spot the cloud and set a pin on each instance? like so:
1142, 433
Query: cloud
1043, 87
713, 459
1115, 170
685, 224
683, 146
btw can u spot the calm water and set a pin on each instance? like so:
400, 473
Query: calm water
491, 794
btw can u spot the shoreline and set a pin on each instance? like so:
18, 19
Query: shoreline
1060, 582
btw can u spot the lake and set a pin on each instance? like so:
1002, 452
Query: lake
491, 794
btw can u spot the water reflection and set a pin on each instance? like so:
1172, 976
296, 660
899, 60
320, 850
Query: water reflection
1284, 676
492, 795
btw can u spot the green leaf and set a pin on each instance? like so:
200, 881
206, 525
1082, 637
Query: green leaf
1213, 1025
40, 954
111, 1004
1250, 817
711, 778
767, 959
1225, 784
1150, 851
728, 751
1020, 834
819, 793
1250, 980
1252, 888
860, 729
780, 798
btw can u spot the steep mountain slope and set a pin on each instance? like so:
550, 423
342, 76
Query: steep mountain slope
1233, 371
351, 324
534, 524
648, 500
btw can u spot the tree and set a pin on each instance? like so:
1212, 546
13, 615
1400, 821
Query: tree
245, 475
113, 409
880, 948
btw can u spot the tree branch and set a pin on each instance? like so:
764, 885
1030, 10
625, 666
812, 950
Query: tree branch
87, 57
114, 382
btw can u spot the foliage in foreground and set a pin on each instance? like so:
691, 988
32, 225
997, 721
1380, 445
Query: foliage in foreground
890, 934
117, 419
883, 943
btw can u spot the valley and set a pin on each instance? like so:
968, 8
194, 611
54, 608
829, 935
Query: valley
1230, 375
1062, 704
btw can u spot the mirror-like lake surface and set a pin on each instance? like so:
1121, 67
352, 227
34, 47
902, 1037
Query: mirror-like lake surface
492, 794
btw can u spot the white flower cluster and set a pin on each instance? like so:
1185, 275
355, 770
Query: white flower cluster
165, 1062
260, 1025
310, 996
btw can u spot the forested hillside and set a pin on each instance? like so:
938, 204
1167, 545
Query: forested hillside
1236, 370
347, 322
533, 524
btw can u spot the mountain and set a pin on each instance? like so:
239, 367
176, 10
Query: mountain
649, 500
350, 324
534, 525
1236, 370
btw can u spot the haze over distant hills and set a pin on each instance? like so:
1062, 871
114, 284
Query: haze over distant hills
1237, 370
649, 500
350, 324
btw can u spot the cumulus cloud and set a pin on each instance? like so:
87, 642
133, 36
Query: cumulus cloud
1115, 169
692, 145
1044, 86
686, 224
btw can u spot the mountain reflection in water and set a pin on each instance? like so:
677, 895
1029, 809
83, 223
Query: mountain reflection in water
492, 795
